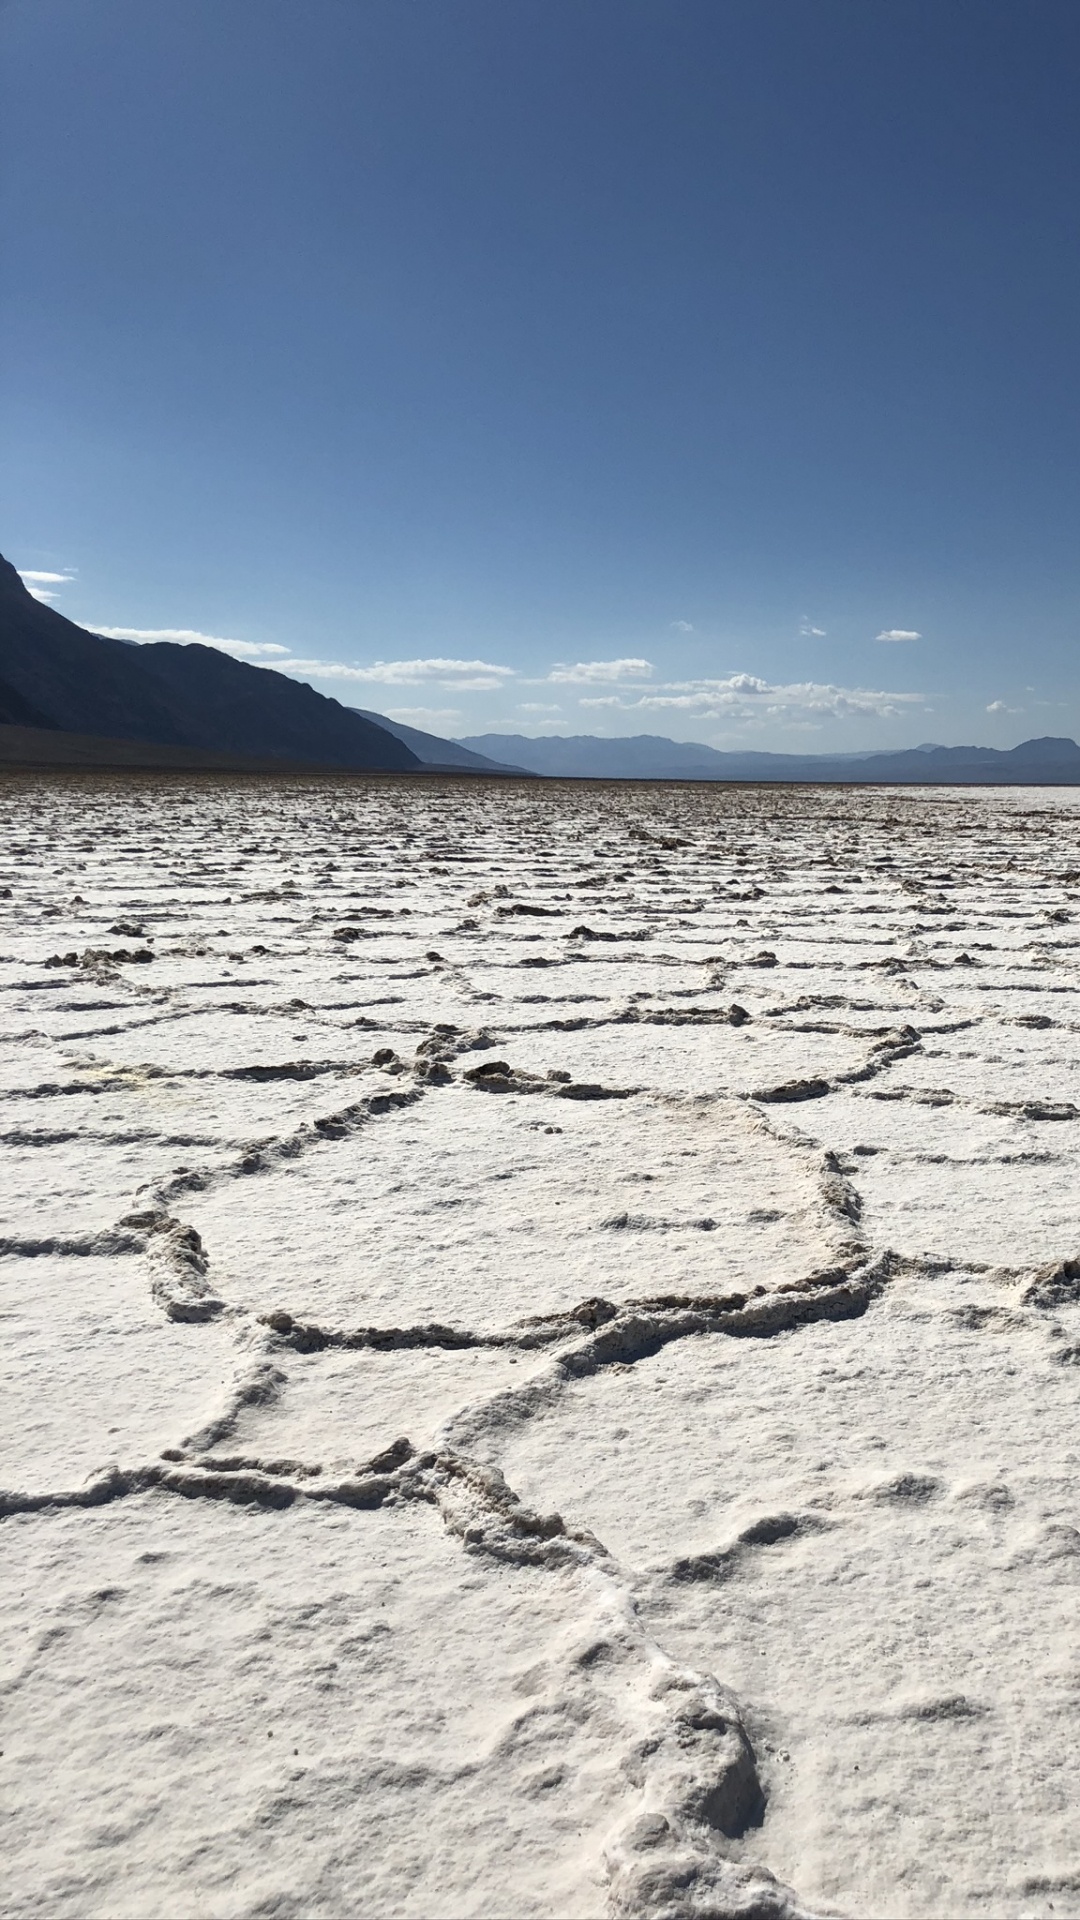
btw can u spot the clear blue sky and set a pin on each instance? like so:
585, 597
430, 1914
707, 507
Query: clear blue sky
684, 347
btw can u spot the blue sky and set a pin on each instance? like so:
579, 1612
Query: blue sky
700, 367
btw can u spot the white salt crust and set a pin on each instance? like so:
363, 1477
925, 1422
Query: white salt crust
540, 1343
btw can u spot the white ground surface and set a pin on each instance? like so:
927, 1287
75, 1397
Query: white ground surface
637, 1479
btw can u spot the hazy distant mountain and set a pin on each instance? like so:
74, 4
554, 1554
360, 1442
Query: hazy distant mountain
434, 751
54, 674
647, 756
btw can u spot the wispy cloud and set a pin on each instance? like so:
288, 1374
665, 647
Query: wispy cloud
897, 633
541, 706
744, 697
815, 633
681, 626
433, 719
189, 637
1000, 706
461, 676
600, 672
40, 584
458, 676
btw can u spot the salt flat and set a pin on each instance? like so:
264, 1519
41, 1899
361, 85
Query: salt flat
541, 1331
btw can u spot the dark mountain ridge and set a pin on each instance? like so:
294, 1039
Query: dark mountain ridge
36, 747
433, 751
54, 674
1047, 761
59, 678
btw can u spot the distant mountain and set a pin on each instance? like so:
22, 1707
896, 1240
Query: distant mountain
647, 756
434, 751
56, 675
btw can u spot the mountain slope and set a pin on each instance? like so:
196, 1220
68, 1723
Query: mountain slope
55, 747
433, 750
1053, 762
56, 674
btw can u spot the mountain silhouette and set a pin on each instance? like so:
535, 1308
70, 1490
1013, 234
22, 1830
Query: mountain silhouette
55, 675
647, 756
72, 697
433, 751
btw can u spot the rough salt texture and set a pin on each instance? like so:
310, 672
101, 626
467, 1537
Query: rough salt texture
541, 1336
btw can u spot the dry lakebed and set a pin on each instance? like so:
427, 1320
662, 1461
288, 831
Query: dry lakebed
541, 1336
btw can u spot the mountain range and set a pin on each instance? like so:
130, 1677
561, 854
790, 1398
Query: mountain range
647, 756
69, 697
434, 752
56, 676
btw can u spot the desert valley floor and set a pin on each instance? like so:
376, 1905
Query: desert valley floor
541, 1335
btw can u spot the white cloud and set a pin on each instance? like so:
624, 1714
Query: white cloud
541, 706
745, 697
681, 626
189, 637
464, 676
431, 718
459, 676
248, 650
999, 706
600, 672
897, 633
813, 633
39, 584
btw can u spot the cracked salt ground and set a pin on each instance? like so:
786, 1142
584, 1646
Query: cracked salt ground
357, 1732
339, 1410
693, 1059
191, 1119
808, 1609
862, 1123
232, 1043
41, 1202
870, 1530
1009, 1211
90, 1371
998, 1188
476, 1209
